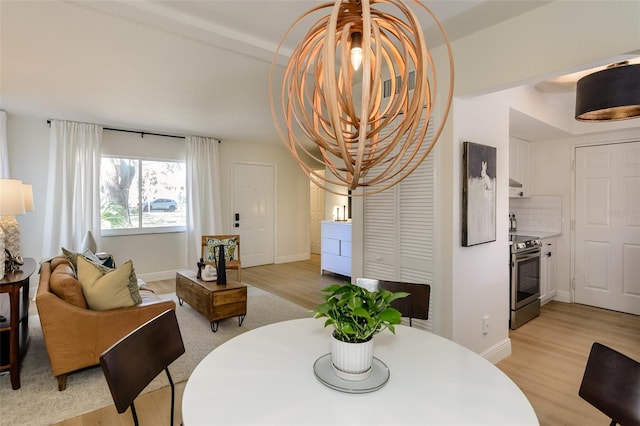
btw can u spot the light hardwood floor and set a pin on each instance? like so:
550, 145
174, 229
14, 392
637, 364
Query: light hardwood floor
547, 361
550, 352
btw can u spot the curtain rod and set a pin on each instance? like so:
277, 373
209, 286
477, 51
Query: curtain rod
143, 133
140, 132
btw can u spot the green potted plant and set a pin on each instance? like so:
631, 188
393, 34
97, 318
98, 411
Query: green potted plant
356, 315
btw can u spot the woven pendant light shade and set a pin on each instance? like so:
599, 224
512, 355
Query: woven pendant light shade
330, 115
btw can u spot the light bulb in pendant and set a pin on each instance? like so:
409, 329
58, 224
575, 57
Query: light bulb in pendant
356, 50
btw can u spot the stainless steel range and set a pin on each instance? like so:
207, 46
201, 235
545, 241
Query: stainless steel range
525, 279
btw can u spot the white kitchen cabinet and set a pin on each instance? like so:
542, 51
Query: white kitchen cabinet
518, 167
548, 270
336, 248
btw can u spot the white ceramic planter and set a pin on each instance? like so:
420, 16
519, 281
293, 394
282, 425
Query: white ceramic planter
351, 361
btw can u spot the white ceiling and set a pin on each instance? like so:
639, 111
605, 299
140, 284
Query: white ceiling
177, 67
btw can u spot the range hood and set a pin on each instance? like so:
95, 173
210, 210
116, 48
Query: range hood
514, 183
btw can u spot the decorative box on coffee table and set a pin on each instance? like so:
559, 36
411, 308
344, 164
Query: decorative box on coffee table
214, 301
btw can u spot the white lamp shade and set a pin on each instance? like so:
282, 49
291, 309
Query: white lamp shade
11, 197
28, 197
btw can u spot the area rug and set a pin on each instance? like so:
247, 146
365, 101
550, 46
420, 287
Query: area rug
38, 401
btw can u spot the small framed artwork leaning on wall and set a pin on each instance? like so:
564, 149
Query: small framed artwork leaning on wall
478, 194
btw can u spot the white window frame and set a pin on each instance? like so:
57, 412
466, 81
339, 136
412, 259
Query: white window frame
142, 230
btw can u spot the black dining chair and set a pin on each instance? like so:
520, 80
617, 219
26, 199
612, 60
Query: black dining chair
136, 359
416, 305
611, 383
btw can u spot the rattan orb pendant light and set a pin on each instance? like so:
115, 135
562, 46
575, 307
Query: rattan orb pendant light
333, 94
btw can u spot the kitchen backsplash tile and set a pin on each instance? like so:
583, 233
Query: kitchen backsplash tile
537, 213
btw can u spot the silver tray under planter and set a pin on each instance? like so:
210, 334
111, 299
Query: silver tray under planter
323, 369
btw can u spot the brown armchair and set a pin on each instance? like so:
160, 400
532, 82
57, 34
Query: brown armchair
76, 336
232, 251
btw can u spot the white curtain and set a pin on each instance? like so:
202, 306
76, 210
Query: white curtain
203, 194
4, 146
73, 186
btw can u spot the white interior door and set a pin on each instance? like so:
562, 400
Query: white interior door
316, 208
253, 203
607, 226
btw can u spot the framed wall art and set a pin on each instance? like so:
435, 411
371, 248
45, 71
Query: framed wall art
478, 194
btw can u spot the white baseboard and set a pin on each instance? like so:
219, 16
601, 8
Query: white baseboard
563, 296
498, 352
293, 258
167, 275
157, 276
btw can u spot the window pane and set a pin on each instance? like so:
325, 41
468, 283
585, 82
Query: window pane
163, 197
118, 193
153, 201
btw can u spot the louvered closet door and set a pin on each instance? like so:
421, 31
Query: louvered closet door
399, 232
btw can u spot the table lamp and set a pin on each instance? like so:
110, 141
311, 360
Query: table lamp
11, 204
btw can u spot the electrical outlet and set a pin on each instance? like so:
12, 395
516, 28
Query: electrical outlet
485, 324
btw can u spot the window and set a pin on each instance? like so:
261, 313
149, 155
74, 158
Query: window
141, 196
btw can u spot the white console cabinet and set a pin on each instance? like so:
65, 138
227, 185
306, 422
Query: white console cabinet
336, 248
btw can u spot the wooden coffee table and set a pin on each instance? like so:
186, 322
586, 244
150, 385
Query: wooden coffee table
214, 301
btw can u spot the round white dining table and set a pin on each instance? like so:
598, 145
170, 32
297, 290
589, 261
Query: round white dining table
266, 377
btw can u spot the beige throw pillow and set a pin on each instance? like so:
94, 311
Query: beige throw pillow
105, 290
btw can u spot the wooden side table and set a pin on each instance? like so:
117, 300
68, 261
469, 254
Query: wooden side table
18, 322
214, 301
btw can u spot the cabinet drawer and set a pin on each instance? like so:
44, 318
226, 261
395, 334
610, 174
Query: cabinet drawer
228, 310
189, 291
516, 192
229, 296
345, 248
338, 264
336, 230
198, 297
330, 246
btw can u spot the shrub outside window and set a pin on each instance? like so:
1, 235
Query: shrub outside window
141, 196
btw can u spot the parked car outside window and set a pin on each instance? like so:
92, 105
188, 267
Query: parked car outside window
165, 204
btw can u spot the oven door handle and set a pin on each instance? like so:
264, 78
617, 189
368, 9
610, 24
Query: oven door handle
521, 257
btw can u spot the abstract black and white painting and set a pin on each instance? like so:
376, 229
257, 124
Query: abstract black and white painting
478, 194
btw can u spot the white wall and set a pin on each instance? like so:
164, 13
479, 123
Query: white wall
549, 40
334, 204
480, 275
157, 256
292, 194
550, 162
28, 140
154, 256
